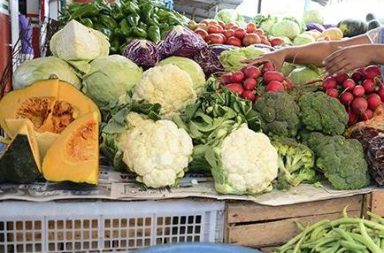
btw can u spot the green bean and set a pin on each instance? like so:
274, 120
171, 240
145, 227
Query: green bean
377, 217
352, 245
370, 244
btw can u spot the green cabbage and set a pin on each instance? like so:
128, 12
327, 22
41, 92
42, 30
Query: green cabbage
303, 38
265, 22
313, 16
110, 79
78, 42
228, 16
232, 59
287, 28
287, 68
191, 67
44, 68
304, 75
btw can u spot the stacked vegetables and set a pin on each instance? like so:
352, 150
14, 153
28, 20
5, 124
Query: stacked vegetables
123, 21
345, 234
361, 92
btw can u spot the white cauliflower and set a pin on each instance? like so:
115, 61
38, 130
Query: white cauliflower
157, 151
167, 85
246, 163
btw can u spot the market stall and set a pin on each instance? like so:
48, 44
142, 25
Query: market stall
138, 126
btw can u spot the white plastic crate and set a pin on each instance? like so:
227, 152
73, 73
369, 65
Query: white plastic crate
103, 226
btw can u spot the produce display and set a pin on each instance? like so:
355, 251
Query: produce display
125, 20
182, 99
346, 234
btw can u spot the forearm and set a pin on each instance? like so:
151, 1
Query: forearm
376, 51
315, 53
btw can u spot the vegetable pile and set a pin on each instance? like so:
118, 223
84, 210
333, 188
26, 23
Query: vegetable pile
345, 234
125, 20
361, 92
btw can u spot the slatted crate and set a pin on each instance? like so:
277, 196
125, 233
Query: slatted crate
106, 226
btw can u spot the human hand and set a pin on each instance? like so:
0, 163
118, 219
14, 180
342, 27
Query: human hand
277, 58
348, 58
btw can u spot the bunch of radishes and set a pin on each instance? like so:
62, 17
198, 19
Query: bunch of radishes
252, 81
217, 32
361, 92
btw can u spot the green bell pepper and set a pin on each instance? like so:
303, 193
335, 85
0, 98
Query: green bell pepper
86, 10
108, 22
154, 33
138, 32
124, 27
87, 22
133, 19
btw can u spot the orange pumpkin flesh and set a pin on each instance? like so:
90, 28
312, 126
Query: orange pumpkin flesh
74, 155
50, 105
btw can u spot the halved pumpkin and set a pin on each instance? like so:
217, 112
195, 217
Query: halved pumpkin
51, 105
74, 155
20, 162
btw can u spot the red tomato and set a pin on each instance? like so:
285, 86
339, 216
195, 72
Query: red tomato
251, 38
234, 41
228, 26
259, 31
215, 38
215, 29
240, 33
229, 33
212, 22
222, 24
251, 27
203, 34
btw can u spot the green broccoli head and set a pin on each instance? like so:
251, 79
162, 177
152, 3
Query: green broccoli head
320, 112
341, 160
279, 114
296, 163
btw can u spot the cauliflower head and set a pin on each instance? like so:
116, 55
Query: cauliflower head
246, 163
167, 85
157, 151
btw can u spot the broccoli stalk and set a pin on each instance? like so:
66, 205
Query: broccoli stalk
296, 162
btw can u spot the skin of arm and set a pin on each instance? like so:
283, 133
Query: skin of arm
336, 56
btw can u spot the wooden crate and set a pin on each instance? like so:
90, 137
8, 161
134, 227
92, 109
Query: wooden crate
376, 203
265, 227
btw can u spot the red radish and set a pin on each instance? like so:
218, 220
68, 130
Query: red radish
288, 85
381, 94
352, 118
268, 66
349, 84
369, 85
274, 86
273, 76
215, 29
250, 84
252, 71
341, 78
276, 41
357, 75
234, 41
203, 34
248, 94
240, 33
346, 98
235, 88
250, 39
251, 27
332, 93
372, 71
237, 77
229, 33
374, 101
225, 79
214, 38
358, 91
329, 83
359, 105
368, 114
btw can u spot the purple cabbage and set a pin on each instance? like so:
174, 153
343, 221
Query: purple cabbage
142, 52
218, 49
315, 26
209, 61
326, 26
181, 41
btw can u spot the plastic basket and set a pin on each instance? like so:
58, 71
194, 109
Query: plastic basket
198, 248
107, 226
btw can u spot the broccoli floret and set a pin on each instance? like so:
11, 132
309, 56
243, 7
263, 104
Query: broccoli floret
279, 114
296, 163
320, 112
341, 160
